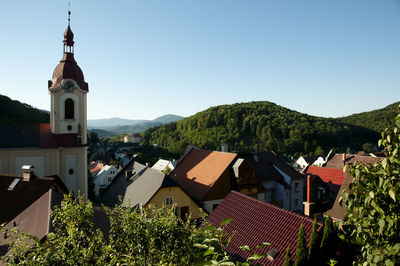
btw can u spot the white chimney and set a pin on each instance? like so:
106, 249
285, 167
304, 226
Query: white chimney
27, 172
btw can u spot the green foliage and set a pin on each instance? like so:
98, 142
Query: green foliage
301, 250
149, 154
376, 120
372, 204
91, 186
135, 238
313, 249
245, 126
93, 138
114, 163
287, 261
15, 112
327, 247
73, 242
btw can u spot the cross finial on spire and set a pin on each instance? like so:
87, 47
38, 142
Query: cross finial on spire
69, 13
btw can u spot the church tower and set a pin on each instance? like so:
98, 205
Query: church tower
68, 91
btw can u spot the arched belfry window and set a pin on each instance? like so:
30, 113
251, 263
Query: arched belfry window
69, 109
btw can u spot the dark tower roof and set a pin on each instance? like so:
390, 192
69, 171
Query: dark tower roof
68, 68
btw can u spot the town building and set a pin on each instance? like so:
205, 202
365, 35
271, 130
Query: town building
59, 147
254, 222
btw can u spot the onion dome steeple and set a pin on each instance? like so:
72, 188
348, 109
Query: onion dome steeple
68, 68
68, 37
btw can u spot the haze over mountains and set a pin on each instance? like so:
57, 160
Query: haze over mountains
116, 121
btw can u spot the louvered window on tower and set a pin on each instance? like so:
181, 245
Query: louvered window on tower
69, 109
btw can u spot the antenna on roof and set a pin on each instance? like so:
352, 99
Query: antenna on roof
69, 13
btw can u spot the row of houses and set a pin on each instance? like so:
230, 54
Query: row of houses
266, 198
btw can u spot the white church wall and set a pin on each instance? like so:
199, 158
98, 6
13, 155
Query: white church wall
71, 173
36, 161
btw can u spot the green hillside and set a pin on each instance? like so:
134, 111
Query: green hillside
12, 111
376, 120
265, 125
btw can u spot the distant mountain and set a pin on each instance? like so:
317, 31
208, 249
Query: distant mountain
115, 122
267, 126
12, 111
133, 126
165, 119
112, 122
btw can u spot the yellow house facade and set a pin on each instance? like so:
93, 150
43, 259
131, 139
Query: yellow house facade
166, 196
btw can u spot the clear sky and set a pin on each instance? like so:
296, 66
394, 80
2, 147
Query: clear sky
144, 59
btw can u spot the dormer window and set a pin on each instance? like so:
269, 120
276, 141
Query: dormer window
69, 109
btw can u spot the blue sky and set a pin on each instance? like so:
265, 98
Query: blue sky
143, 59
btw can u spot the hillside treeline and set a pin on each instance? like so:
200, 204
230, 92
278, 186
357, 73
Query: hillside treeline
260, 125
12, 111
376, 120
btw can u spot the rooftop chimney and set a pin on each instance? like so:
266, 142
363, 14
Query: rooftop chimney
344, 157
308, 205
128, 174
27, 172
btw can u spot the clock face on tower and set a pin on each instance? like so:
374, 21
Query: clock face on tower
69, 86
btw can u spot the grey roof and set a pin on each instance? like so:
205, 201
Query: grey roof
139, 188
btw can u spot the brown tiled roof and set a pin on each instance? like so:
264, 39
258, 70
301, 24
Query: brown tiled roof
337, 160
27, 135
256, 222
265, 169
35, 219
200, 169
13, 202
337, 212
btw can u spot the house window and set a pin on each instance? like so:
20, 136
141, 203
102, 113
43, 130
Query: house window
69, 109
176, 211
296, 202
296, 187
169, 201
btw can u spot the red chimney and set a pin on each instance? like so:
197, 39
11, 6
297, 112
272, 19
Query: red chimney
309, 188
308, 205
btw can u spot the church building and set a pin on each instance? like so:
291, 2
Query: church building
59, 147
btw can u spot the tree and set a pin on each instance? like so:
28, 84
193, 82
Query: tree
301, 250
313, 249
287, 261
327, 247
93, 138
372, 204
135, 238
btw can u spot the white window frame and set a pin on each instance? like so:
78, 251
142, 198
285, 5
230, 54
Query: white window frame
169, 201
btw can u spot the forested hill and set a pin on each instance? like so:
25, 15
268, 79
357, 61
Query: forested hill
246, 126
12, 111
376, 120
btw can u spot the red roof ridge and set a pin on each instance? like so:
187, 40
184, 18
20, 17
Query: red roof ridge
271, 205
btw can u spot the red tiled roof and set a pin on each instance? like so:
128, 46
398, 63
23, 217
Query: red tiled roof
50, 140
256, 222
95, 166
335, 176
200, 169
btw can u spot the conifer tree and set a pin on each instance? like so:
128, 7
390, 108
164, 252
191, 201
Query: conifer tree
313, 249
301, 251
287, 261
328, 238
